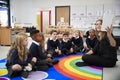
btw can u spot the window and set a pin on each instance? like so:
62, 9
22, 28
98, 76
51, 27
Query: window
4, 13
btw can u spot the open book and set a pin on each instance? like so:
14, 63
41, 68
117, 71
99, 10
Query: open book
107, 21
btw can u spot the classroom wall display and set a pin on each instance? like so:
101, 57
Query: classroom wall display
84, 17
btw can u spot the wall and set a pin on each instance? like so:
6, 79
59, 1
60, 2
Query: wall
24, 11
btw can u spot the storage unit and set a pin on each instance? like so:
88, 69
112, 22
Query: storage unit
60, 30
7, 35
116, 29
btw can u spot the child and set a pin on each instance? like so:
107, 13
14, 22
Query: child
91, 41
53, 45
77, 41
18, 62
36, 50
66, 46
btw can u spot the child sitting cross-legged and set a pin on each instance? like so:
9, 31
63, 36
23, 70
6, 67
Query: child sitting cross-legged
77, 41
53, 45
66, 46
36, 50
91, 41
19, 61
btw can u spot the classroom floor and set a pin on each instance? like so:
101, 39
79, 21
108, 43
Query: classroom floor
108, 73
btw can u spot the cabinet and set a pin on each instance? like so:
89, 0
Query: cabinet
116, 29
7, 35
60, 30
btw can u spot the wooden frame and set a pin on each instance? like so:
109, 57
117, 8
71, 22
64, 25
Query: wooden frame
62, 11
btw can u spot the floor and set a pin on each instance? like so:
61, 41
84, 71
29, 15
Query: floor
108, 73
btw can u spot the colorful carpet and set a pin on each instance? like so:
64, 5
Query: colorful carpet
64, 70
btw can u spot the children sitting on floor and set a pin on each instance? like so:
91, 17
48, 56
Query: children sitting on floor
36, 50
18, 62
66, 46
91, 40
53, 45
77, 41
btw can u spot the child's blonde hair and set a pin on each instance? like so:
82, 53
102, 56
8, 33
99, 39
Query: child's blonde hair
79, 32
22, 50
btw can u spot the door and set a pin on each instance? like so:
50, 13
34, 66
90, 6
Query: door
62, 12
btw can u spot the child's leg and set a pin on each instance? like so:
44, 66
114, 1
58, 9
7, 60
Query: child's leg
50, 52
41, 65
65, 51
14, 70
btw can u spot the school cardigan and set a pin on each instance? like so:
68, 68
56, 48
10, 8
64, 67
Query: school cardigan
36, 51
77, 42
65, 45
91, 43
52, 45
14, 59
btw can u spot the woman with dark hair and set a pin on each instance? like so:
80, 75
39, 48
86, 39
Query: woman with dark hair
105, 52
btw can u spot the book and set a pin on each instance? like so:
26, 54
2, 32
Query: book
107, 21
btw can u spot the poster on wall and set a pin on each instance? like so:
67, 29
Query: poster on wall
78, 14
95, 10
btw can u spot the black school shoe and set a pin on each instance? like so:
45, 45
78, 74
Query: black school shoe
80, 64
12, 73
24, 74
55, 62
49, 64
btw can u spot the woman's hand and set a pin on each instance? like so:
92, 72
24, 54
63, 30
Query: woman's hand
110, 37
109, 31
90, 52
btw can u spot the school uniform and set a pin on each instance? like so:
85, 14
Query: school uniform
52, 45
65, 46
36, 51
103, 54
78, 43
14, 59
91, 43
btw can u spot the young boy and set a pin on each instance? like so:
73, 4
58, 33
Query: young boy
53, 45
66, 46
43, 62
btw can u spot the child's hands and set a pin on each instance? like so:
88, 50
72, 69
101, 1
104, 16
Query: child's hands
71, 50
28, 68
49, 55
56, 50
29, 65
34, 59
49, 59
59, 52
16, 67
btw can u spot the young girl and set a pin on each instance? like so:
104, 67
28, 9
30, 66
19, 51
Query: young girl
77, 41
91, 41
18, 62
53, 44
105, 53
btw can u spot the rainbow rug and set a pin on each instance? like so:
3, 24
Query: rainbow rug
64, 70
